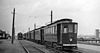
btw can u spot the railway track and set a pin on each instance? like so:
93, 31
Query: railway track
30, 48
60, 51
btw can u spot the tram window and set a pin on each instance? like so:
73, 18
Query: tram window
75, 28
53, 30
65, 30
70, 28
46, 30
50, 30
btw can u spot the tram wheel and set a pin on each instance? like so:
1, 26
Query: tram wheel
55, 45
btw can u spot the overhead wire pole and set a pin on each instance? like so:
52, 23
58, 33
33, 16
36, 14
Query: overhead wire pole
13, 28
51, 16
35, 23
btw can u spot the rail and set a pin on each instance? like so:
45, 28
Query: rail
64, 51
38, 49
26, 50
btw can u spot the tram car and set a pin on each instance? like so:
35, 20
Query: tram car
20, 36
59, 34
32, 38
29, 35
24, 36
39, 35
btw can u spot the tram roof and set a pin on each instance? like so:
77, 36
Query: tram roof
56, 22
70, 20
63, 20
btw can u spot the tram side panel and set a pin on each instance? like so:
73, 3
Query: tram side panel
24, 36
42, 35
37, 35
29, 35
32, 35
50, 34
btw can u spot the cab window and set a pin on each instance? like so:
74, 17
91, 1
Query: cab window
65, 29
70, 28
75, 28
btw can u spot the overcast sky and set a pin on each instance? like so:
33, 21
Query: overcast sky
28, 12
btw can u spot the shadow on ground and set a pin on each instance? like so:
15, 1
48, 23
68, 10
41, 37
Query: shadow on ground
2, 50
1, 42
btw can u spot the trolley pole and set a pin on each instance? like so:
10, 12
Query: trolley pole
35, 26
51, 16
29, 33
13, 29
29, 29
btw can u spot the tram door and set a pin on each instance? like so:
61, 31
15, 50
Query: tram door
58, 33
42, 35
65, 36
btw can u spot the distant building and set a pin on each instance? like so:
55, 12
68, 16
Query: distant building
97, 33
3, 34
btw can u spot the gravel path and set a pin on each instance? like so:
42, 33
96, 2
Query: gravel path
7, 47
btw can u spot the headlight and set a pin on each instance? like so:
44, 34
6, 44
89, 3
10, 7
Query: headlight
70, 39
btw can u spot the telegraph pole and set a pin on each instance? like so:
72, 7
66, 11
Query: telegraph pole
13, 28
51, 16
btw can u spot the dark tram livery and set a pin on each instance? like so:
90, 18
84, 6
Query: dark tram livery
20, 36
60, 34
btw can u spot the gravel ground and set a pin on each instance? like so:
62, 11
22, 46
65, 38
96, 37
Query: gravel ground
89, 48
7, 47
41, 47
